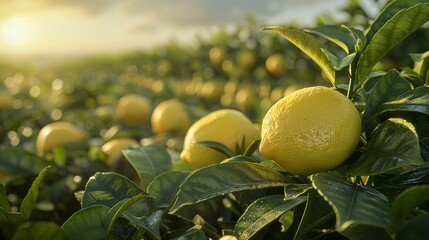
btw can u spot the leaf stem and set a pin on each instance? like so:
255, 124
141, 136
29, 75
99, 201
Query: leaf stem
308, 205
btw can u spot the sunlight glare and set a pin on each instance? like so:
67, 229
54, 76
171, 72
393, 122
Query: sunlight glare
16, 33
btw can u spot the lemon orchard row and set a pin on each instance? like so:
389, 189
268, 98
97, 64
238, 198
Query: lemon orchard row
312, 130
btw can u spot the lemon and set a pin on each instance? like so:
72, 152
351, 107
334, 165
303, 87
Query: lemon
311, 130
226, 126
113, 148
57, 134
275, 64
170, 116
133, 109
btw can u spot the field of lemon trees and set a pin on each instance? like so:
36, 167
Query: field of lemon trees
285, 132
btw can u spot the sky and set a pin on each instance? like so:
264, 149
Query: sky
44, 29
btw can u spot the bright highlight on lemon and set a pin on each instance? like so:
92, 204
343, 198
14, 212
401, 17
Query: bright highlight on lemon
311, 130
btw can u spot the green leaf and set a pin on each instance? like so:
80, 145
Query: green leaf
148, 161
416, 176
415, 100
389, 12
219, 147
92, 221
30, 199
4, 204
151, 224
392, 145
220, 179
416, 228
338, 35
396, 29
165, 187
421, 65
262, 212
310, 45
339, 63
388, 87
20, 163
39, 230
110, 188
9, 221
365, 232
252, 148
293, 191
352, 203
120, 209
406, 201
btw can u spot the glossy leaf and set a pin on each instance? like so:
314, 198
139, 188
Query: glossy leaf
151, 224
415, 100
30, 199
338, 35
92, 222
110, 188
219, 179
406, 201
17, 162
393, 144
388, 12
120, 209
396, 29
293, 191
148, 161
421, 65
352, 203
262, 212
310, 45
388, 87
416, 176
165, 187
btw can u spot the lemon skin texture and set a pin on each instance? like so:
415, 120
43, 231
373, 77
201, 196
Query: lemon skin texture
311, 130
226, 126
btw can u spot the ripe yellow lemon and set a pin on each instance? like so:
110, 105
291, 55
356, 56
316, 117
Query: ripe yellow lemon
113, 148
170, 116
226, 126
311, 130
133, 109
57, 134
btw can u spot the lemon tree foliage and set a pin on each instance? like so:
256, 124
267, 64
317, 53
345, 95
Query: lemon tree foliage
72, 182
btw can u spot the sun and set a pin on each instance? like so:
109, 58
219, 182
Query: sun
15, 33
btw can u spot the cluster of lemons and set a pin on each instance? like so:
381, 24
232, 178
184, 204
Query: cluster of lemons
311, 130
